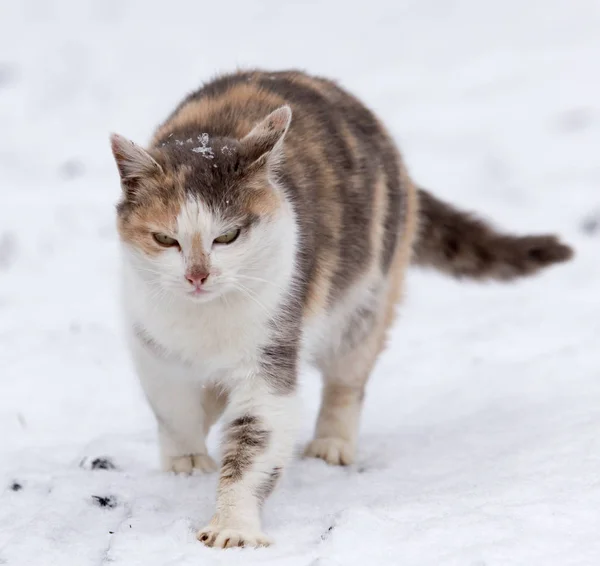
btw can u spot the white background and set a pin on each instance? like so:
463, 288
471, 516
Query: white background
480, 442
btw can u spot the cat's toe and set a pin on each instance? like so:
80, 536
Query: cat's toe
217, 537
204, 463
180, 465
335, 451
188, 463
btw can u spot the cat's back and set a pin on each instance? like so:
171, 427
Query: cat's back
230, 105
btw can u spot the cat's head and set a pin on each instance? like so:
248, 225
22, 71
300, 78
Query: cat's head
202, 216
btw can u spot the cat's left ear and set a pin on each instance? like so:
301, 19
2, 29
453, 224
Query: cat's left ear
267, 136
134, 162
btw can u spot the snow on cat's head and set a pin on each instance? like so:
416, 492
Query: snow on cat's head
201, 217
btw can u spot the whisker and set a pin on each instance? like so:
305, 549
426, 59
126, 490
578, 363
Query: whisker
251, 296
250, 278
290, 288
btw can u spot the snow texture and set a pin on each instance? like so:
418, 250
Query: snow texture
480, 441
204, 149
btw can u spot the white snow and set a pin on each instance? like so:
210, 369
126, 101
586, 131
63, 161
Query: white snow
203, 149
480, 442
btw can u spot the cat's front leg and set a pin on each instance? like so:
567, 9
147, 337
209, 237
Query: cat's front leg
184, 418
184, 407
259, 432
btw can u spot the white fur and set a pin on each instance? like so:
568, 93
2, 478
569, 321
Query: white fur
323, 334
248, 279
212, 340
237, 512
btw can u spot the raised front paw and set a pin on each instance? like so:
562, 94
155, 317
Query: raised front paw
335, 451
186, 464
219, 537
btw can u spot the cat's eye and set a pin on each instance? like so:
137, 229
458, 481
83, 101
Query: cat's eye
165, 240
228, 237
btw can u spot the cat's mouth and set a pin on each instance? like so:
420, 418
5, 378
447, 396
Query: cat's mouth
201, 294
198, 290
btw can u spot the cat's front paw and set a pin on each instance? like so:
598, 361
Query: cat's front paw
218, 537
335, 451
187, 464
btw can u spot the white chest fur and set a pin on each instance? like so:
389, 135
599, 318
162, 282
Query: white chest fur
209, 338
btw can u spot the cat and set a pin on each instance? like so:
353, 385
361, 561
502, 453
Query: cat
271, 221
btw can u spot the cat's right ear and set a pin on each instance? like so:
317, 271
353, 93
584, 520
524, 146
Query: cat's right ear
134, 162
267, 136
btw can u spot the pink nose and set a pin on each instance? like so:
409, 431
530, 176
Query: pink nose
197, 277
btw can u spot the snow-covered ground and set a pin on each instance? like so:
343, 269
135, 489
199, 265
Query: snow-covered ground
481, 433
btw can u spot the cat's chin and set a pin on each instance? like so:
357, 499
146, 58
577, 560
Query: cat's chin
203, 297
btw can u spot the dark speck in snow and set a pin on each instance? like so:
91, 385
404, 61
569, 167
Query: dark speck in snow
102, 464
108, 501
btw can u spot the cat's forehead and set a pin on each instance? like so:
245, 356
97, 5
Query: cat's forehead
187, 145
207, 170
211, 174
206, 160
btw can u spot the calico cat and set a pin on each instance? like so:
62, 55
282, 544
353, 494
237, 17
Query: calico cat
271, 220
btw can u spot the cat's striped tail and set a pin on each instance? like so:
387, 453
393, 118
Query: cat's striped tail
464, 246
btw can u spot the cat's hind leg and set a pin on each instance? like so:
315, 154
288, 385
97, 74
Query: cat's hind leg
344, 379
346, 369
